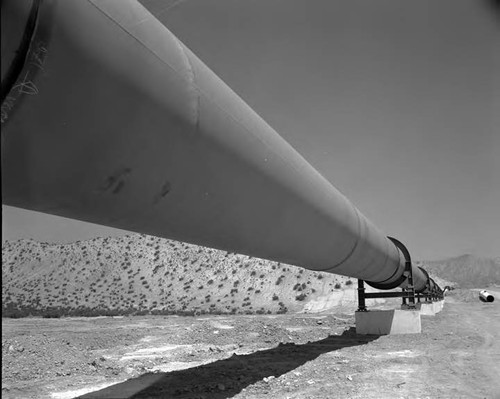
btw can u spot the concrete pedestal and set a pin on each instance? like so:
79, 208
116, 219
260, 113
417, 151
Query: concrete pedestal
384, 322
430, 308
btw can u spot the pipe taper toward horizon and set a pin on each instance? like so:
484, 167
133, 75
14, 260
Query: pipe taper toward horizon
108, 118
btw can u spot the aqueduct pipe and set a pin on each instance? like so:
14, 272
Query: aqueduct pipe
108, 118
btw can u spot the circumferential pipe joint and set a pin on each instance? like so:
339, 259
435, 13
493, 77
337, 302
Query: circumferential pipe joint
422, 282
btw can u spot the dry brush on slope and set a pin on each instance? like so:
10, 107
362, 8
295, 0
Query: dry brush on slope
139, 274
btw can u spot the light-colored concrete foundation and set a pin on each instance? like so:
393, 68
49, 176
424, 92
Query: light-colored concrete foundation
430, 308
383, 322
126, 389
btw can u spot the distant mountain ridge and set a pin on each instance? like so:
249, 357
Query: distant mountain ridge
468, 271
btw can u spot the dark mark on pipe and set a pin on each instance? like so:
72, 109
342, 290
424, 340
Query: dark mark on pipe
116, 181
165, 189
118, 187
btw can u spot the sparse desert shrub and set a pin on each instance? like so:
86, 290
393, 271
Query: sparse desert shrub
275, 297
301, 297
338, 285
348, 282
155, 270
283, 309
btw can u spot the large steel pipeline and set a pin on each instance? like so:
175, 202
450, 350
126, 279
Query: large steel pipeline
108, 118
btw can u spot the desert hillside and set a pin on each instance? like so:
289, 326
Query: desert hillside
144, 274
139, 274
467, 271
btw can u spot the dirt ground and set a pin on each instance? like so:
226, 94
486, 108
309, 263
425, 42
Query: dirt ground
457, 355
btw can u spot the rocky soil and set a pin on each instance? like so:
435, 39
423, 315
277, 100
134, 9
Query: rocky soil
256, 328
457, 355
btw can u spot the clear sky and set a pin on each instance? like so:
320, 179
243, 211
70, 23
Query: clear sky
396, 102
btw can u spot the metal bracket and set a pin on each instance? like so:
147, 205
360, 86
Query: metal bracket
407, 294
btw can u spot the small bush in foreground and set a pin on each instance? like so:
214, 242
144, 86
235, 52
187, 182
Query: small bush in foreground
301, 297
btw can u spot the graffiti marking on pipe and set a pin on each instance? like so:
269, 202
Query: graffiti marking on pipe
26, 86
39, 55
37, 59
6, 107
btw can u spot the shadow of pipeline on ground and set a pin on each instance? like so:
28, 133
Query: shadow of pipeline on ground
225, 378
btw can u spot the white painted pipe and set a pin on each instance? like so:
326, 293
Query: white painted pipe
485, 296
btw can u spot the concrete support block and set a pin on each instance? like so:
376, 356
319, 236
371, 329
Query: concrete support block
126, 389
430, 308
384, 322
